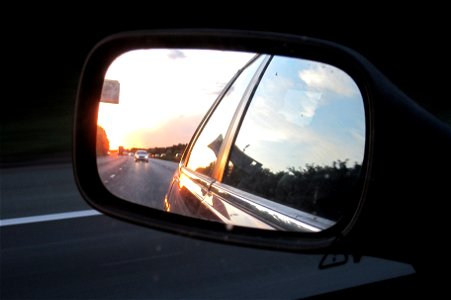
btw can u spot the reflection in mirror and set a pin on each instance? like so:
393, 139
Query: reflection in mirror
281, 153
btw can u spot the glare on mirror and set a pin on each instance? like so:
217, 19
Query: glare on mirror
293, 163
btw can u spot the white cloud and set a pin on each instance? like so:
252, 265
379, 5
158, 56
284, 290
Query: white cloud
174, 54
324, 77
280, 140
158, 85
300, 106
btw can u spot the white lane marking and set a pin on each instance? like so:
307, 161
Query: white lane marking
50, 217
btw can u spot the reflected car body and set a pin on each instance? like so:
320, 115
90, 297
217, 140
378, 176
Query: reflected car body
141, 155
220, 178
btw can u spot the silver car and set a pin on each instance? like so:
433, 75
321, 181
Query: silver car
142, 155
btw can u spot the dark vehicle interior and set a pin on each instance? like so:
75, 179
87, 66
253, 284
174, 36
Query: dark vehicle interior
44, 64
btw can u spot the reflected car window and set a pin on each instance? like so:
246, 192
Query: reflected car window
302, 139
203, 156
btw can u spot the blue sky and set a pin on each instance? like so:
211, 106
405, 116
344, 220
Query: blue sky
304, 112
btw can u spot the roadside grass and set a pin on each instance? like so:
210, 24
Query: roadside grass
44, 134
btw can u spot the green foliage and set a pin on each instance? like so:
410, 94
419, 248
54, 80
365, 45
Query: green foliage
320, 190
43, 134
172, 153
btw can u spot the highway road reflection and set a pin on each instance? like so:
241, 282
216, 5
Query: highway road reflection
138, 182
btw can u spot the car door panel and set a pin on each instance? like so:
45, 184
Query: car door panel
254, 211
187, 193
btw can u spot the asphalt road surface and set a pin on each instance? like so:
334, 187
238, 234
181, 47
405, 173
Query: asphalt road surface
140, 182
53, 247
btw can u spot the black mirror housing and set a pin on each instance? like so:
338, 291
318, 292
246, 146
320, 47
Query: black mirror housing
398, 132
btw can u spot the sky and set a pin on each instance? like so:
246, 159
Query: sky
164, 94
304, 112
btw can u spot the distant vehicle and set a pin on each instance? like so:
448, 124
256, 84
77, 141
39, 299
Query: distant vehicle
335, 167
142, 155
121, 151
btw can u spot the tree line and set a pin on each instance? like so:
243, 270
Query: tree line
324, 191
102, 142
172, 153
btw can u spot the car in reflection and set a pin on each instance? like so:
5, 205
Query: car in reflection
142, 155
266, 155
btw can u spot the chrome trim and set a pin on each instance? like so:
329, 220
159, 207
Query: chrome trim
229, 139
187, 153
200, 190
277, 215
200, 179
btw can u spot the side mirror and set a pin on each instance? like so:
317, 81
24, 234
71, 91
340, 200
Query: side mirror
294, 163
253, 138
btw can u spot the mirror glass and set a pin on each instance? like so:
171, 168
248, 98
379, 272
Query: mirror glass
244, 139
